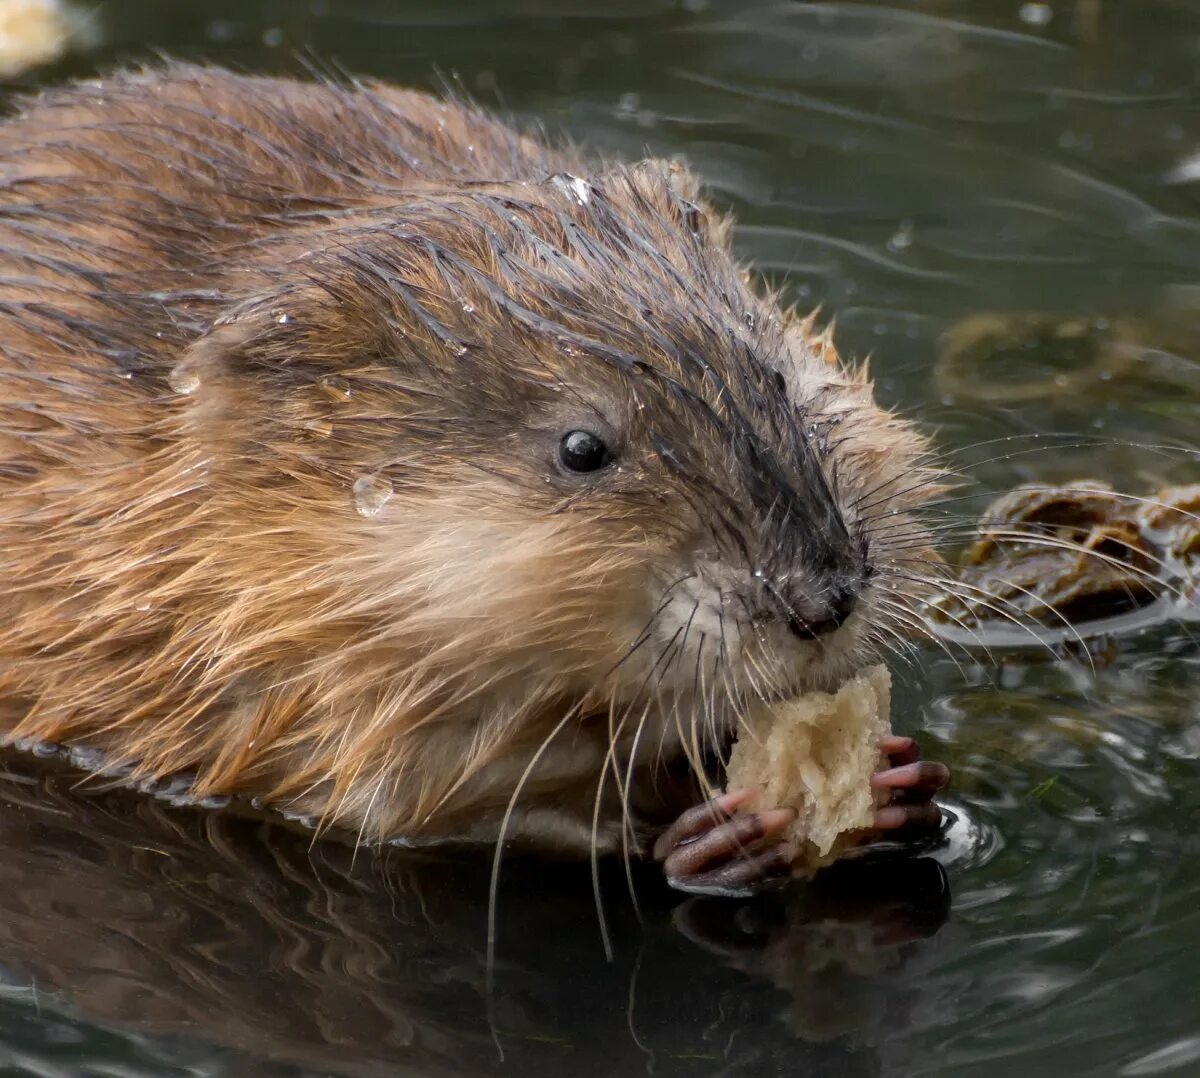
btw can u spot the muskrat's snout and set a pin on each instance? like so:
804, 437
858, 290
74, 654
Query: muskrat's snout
810, 618
806, 609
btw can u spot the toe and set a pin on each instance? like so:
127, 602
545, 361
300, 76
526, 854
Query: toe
923, 775
900, 750
728, 841
896, 817
763, 869
700, 818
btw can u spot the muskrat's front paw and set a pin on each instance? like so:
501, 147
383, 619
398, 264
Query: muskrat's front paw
710, 851
912, 783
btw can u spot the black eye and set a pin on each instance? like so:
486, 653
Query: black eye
582, 451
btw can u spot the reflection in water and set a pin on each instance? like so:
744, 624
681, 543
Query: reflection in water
188, 932
910, 165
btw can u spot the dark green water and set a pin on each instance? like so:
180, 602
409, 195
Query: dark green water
908, 166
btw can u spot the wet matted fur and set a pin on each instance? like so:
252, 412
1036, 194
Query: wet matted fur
283, 372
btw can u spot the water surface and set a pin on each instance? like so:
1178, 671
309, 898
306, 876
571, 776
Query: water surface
929, 172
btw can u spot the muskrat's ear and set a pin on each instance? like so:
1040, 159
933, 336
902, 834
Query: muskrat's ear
217, 352
207, 370
258, 352
280, 339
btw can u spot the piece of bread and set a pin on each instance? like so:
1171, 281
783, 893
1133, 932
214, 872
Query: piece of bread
817, 754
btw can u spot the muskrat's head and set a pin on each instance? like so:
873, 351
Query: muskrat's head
544, 448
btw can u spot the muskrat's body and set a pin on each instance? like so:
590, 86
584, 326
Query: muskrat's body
286, 376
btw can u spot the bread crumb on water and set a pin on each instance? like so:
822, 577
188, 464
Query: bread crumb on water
32, 32
817, 754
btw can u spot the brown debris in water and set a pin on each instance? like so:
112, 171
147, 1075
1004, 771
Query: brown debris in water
1065, 555
1017, 357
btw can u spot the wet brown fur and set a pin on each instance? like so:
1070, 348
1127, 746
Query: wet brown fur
366, 284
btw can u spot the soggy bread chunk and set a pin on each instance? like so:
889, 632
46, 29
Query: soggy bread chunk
816, 754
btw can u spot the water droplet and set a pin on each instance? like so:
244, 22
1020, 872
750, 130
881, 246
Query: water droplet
1036, 14
628, 104
322, 428
903, 237
468, 308
85, 758
183, 380
222, 30
337, 389
284, 318
371, 493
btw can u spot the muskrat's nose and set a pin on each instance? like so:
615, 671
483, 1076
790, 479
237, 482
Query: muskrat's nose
809, 618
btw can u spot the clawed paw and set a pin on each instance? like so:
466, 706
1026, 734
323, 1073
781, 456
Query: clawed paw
913, 782
711, 851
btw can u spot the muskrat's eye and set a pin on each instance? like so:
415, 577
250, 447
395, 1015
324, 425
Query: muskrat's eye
582, 451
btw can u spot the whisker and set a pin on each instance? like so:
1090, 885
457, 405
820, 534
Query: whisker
494, 882
1054, 543
1164, 450
990, 606
648, 628
609, 760
912, 620
627, 828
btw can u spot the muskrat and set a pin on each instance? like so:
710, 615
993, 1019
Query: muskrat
366, 456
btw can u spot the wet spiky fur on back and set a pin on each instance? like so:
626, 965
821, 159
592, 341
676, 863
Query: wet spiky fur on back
226, 301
